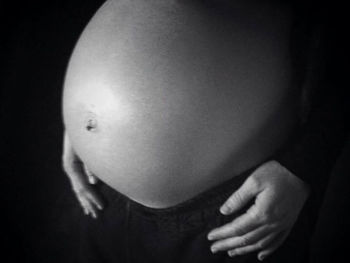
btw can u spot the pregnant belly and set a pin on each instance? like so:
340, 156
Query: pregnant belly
163, 100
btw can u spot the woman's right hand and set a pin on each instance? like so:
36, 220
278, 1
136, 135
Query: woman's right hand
82, 180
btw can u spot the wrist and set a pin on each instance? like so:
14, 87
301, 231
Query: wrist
303, 186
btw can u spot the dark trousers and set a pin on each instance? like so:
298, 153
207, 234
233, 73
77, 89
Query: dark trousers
127, 231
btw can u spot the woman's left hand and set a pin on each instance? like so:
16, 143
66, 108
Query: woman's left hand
279, 197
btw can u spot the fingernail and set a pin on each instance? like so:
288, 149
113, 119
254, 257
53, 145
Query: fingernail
231, 253
212, 235
261, 257
224, 210
214, 250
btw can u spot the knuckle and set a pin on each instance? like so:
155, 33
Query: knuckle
238, 231
254, 214
260, 245
244, 241
253, 183
262, 216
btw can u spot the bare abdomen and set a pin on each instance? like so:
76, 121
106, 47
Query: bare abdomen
165, 103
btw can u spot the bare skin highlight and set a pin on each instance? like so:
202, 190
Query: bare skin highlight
185, 96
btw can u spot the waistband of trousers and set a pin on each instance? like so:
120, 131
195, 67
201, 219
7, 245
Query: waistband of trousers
212, 197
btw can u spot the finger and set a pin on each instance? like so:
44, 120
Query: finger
88, 206
93, 197
261, 244
86, 212
240, 241
72, 164
273, 246
91, 177
240, 197
74, 170
238, 227
91, 210
88, 193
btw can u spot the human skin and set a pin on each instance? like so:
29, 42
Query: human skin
278, 194
180, 101
278, 197
81, 180
179, 92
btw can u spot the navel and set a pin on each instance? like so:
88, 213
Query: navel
91, 124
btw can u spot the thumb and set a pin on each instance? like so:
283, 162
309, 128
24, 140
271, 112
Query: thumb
72, 165
91, 177
240, 197
73, 168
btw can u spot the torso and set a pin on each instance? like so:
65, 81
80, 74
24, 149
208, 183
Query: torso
165, 99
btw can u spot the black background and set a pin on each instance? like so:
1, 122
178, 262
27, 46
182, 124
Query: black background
40, 213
